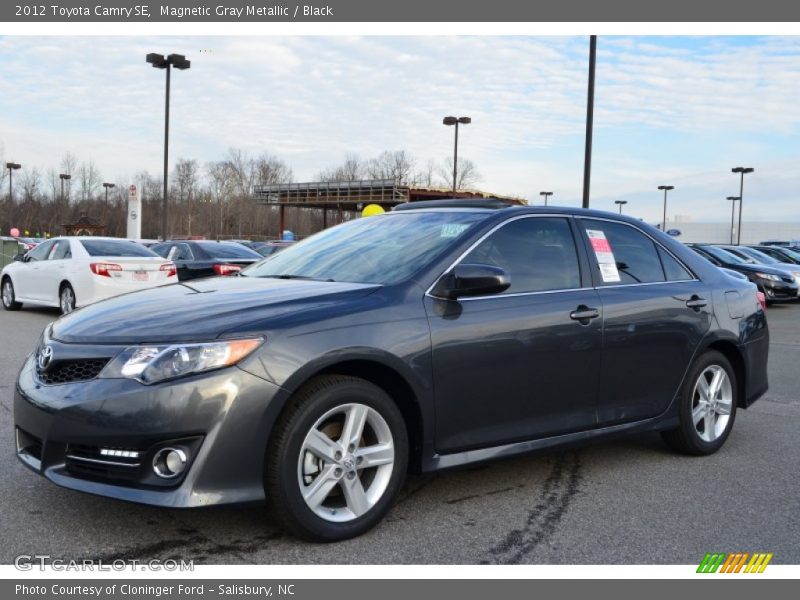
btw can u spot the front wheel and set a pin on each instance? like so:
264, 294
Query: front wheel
707, 407
9, 299
337, 459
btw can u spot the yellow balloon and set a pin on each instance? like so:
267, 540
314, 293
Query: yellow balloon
370, 210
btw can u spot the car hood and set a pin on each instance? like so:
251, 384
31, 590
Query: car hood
202, 309
769, 270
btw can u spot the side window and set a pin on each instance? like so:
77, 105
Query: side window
538, 253
41, 252
624, 254
62, 250
674, 270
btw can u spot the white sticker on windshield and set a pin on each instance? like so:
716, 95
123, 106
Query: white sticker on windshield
451, 230
604, 254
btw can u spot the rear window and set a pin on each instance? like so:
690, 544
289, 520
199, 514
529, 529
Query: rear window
228, 250
115, 248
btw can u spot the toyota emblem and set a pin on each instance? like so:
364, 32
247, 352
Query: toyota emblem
45, 357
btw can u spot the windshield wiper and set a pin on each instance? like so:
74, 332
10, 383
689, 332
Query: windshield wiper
290, 276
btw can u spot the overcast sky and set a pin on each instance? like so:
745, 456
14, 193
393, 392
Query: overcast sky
669, 110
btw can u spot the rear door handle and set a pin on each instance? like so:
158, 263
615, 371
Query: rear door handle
584, 314
696, 302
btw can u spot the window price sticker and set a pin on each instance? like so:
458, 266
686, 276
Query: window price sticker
604, 254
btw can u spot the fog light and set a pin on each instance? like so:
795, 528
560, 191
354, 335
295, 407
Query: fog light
169, 462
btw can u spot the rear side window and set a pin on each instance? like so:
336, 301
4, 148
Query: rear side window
624, 254
674, 270
62, 251
115, 248
538, 253
228, 250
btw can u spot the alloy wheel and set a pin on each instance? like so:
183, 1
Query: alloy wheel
8, 294
345, 462
67, 300
712, 402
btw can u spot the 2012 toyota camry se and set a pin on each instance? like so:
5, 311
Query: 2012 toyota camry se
434, 336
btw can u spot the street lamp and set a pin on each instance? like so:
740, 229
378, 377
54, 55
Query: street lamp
546, 195
742, 171
11, 168
63, 177
666, 188
456, 121
620, 203
733, 200
108, 186
160, 62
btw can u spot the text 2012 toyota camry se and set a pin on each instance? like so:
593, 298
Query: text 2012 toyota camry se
429, 337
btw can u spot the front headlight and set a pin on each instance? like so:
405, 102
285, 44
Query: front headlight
768, 276
151, 364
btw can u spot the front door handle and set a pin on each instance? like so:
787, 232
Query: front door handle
584, 314
696, 302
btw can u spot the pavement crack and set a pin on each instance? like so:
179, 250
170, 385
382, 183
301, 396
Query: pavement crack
543, 519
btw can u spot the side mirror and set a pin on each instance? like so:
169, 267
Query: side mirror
19, 257
472, 280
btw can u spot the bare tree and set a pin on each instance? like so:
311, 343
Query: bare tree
30, 183
397, 166
270, 169
88, 180
352, 169
186, 179
467, 174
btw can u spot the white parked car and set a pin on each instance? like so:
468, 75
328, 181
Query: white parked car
69, 272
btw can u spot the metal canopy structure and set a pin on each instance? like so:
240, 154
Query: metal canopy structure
352, 196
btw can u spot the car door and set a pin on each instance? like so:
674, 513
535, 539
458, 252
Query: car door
33, 279
56, 269
655, 313
519, 364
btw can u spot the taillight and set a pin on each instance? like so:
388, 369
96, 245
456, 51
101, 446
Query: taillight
762, 300
170, 268
226, 269
104, 269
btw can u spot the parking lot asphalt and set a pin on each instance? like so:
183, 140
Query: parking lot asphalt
629, 501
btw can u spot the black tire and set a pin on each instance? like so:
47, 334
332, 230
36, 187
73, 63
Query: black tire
686, 438
66, 289
281, 486
8, 296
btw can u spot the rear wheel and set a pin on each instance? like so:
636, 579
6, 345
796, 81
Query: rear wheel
337, 459
707, 407
9, 299
66, 299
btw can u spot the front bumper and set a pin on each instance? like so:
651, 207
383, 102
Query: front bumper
221, 418
778, 290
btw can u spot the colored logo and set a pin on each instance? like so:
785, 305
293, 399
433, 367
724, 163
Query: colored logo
737, 562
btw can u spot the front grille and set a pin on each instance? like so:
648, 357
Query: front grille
90, 462
67, 371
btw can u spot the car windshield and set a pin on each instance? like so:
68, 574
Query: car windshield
228, 250
791, 253
724, 256
384, 249
115, 248
760, 257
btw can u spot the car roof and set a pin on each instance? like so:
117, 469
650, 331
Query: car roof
493, 206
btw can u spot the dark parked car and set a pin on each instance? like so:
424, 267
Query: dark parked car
780, 253
427, 338
776, 284
205, 258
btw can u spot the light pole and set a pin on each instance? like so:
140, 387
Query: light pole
63, 177
587, 158
108, 186
546, 195
160, 62
456, 121
11, 168
666, 188
620, 203
742, 171
733, 200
